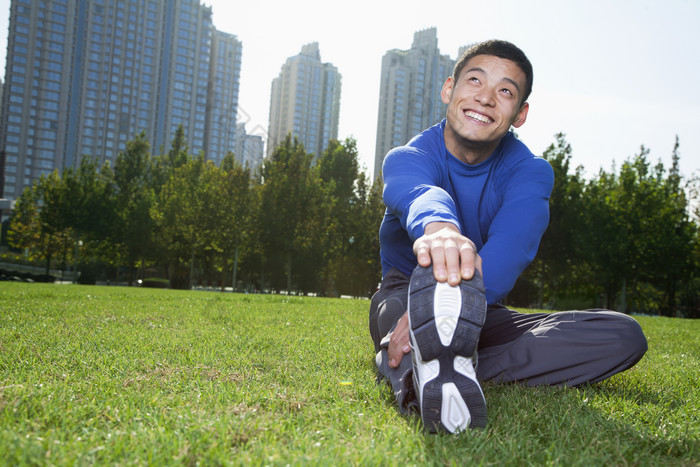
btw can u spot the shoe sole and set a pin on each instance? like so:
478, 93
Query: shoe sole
445, 323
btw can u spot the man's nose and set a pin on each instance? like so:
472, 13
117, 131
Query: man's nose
485, 97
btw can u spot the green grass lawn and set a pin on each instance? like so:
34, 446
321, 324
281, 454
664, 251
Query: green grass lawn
114, 375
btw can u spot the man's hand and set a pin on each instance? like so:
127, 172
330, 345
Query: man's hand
399, 343
452, 254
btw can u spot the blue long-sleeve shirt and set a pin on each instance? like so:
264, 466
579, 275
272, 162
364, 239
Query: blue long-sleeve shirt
501, 204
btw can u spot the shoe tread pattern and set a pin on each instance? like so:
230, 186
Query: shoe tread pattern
432, 398
471, 318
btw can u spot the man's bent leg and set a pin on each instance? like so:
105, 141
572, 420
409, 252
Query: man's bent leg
388, 304
569, 348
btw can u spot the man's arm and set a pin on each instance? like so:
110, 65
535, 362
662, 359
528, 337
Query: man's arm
516, 230
413, 181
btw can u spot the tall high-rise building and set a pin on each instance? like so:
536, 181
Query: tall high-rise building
222, 99
305, 101
84, 77
409, 94
249, 148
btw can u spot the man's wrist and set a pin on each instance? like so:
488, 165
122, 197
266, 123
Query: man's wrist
433, 227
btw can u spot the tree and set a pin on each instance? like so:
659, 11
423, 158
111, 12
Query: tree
293, 215
338, 170
177, 156
233, 189
135, 197
36, 223
640, 237
177, 214
557, 267
669, 252
352, 240
177, 209
87, 205
88, 208
370, 206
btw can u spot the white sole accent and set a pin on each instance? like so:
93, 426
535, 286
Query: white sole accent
427, 371
454, 414
464, 366
447, 305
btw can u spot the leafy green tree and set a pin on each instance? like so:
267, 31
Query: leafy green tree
671, 235
192, 215
88, 208
254, 259
135, 197
557, 268
293, 215
216, 235
689, 293
177, 156
338, 170
25, 227
233, 190
36, 224
640, 237
367, 271
179, 151
177, 214
351, 243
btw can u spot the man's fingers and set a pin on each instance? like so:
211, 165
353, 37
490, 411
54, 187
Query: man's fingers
468, 258
452, 255
422, 251
437, 254
399, 342
478, 264
452, 262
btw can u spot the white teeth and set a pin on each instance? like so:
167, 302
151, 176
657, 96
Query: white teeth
479, 117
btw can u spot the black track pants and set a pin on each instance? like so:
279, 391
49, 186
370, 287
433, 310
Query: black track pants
562, 348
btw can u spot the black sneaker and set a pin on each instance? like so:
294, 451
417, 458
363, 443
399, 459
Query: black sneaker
445, 323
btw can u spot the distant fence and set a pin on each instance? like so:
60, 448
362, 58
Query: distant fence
22, 268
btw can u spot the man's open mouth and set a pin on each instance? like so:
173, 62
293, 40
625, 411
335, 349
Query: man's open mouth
478, 117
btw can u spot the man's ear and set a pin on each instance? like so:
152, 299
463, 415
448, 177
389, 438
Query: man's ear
522, 115
446, 93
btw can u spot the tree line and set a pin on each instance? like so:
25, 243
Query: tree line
626, 239
294, 225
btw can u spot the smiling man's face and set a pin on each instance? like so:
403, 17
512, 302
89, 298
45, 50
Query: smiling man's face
482, 104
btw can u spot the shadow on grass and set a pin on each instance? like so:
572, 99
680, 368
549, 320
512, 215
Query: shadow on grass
602, 424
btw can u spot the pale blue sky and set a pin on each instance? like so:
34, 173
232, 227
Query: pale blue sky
612, 75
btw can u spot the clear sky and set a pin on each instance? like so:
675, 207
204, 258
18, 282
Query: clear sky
611, 74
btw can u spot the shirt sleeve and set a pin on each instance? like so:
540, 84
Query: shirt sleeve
411, 190
515, 232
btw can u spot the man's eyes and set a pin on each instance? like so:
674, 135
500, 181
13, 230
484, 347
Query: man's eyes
476, 80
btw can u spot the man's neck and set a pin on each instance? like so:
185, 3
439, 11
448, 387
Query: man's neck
469, 152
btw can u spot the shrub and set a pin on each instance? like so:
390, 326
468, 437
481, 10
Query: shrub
154, 282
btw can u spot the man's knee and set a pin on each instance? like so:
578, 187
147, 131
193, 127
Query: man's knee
626, 341
388, 313
632, 338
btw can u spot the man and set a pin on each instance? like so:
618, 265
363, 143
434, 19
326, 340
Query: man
466, 206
